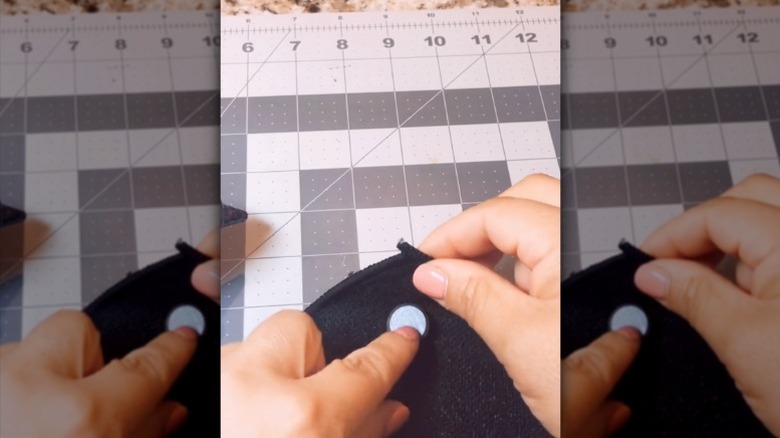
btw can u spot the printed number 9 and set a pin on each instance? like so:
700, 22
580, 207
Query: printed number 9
389, 42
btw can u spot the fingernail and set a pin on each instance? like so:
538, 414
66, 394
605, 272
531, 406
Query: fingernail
653, 281
397, 420
186, 332
431, 281
176, 419
619, 419
409, 333
629, 333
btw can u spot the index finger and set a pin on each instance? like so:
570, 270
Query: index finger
589, 374
363, 379
527, 229
134, 385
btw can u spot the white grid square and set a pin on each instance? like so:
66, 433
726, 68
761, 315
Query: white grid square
50, 80
744, 168
488, 137
425, 219
547, 67
596, 147
105, 149
681, 72
458, 72
427, 145
519, 169
158, 229
272, 192
273, 281
265, 80
527, 140
50, 282
749, 140
44, 152
732, 70
601, 228
648, 218
253, 316
510, 70
39, 241
207, 76
698, 143
147, 76
154, 147
273, 235
272, 152
321, 77
638, 74
376, 147
412, 74
324, 149
648, 145
369, 76
197, 144
51, 192
379, 229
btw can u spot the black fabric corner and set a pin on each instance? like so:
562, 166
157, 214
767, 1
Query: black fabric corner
134, 311
676, 386
10, 215
455, 387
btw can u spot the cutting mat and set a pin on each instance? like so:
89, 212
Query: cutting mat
108, 140
663, 110
343, 133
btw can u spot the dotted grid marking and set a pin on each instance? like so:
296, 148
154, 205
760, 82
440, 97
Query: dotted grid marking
356, 181
682, 131
109, 153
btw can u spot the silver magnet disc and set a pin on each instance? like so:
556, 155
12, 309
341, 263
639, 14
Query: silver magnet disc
408, 315
631, 316
186, 315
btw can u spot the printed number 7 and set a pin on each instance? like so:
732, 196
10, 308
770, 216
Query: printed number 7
295, 45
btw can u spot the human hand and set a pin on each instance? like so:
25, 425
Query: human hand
276, 383
57, 373
740, 321
520, 321
589, 376
205, 277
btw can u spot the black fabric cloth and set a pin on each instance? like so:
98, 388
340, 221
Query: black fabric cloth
135, 311
455, 387
676, 386
10, 215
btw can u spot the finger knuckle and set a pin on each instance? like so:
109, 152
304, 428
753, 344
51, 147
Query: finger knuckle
693, 291
152, 365
366, 364
593, 364
472, 297
305, 413
81, 413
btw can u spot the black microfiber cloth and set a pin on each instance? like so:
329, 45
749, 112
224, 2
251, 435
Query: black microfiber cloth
455, 387
676, 386
135, 311
10, 215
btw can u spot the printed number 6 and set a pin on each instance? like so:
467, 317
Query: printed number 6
248, 47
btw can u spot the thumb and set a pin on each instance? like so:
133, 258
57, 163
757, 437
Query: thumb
486, 301
708, 301
163, 421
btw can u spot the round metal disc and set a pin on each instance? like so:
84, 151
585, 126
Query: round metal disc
186, 315
408, 315
631, 316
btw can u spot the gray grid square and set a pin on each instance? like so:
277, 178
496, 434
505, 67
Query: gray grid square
475, 106
328, 232
232, 291
483, 180
372, 111
329, 189
272, 114
158, 187
231, 325
11, 116
432, 184
107, 232
320, 273
11, 290
202, 184
568, 190
414, 109
377, 187
601, 187
10, 325
50, 114
233, 153
322, 112
233, 190
232, 243
704, 181
150, 110
12, 190
772, 97
101, 272
101, 112
104, 189
565, 112
516, 104
551, 96
12, 148
233, 119
592, 110
654, 184
199, 108
570, 231
740, 104
691, 106
642, 108
555, 134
